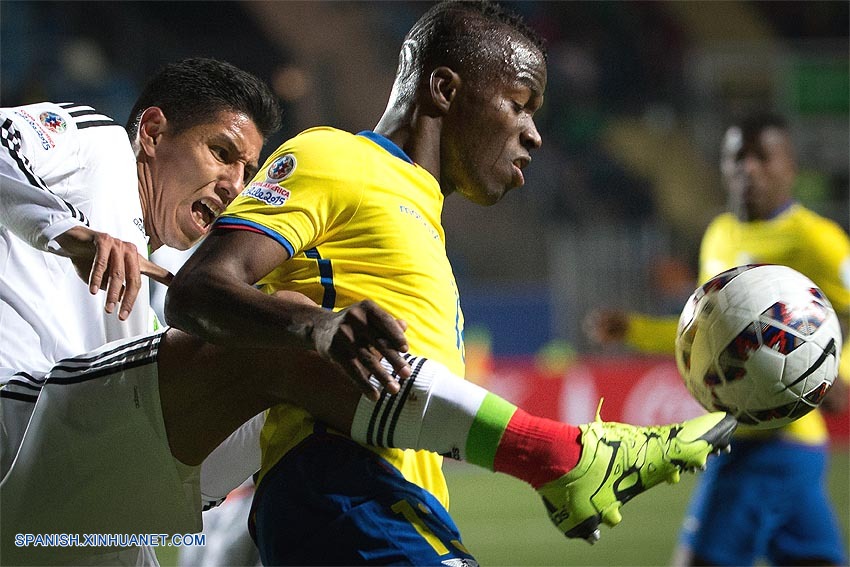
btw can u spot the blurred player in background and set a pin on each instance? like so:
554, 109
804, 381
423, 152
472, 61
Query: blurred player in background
341, 217
73, 186
767, 500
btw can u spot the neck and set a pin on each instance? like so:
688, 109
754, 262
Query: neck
143, 174
417, 134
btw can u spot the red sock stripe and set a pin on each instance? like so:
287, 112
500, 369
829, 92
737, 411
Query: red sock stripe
537, 450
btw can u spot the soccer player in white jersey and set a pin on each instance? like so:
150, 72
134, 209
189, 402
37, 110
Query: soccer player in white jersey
74, 185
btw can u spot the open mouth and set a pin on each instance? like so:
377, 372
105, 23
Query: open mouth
205, 212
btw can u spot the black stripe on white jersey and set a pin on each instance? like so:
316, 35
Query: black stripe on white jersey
84, 361
10, 138
21, 397
36, 387
210, 504
93, 123
22, 387
87, 117
128, 355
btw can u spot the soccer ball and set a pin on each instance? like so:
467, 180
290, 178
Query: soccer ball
760, 342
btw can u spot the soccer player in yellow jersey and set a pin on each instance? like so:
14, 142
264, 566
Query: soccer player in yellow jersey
742, 512
339, 218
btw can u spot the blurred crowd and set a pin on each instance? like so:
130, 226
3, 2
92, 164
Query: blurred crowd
639, 94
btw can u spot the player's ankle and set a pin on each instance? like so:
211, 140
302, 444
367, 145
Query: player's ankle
537, 450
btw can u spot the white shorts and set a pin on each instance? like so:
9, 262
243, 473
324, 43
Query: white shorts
94, 458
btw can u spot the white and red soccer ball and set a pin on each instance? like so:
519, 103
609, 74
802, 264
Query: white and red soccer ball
761, 342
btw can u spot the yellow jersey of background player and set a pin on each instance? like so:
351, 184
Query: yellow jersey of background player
795, 237
360, 220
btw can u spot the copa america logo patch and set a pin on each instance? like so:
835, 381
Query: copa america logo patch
269, 193
281, 168
52, 122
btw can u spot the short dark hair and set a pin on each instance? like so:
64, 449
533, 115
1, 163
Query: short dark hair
753, 124
455, 33
193, 91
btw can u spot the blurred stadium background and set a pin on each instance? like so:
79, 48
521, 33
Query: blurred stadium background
615, 202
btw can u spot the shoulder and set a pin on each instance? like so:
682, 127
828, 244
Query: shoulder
59, 118
321, 140
723, 221
61, 126
814, 225
321, 152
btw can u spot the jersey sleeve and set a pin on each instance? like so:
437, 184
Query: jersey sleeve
830, 249
28, 206
309, 188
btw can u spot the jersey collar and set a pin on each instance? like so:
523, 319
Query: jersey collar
781, 209
387, 144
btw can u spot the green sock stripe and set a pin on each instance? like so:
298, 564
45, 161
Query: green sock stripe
487, 429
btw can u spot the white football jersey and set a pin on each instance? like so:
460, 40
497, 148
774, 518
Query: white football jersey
61, 165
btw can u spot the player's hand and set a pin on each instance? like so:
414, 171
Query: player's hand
606, 326
104, 262
357, 338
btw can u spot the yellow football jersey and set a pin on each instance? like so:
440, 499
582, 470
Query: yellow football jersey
360, 220
798, 238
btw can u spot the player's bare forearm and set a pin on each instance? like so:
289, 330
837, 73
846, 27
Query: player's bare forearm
213, 297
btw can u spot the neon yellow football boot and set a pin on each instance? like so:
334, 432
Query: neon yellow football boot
619, 461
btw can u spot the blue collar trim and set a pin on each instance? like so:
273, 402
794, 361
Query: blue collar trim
387, 144
781, 209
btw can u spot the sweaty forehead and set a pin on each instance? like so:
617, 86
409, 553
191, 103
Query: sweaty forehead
513, 58
529, 65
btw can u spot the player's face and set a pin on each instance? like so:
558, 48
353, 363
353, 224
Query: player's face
758, 174
491, 132
197, 173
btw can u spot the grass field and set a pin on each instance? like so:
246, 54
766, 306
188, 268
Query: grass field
503, 522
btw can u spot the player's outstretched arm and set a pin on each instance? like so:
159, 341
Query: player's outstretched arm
213, 297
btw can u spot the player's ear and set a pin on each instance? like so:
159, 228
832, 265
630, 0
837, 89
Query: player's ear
152, 124
443, 85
